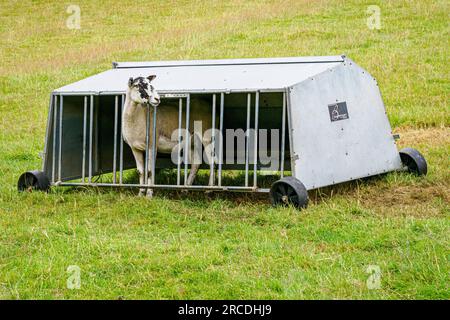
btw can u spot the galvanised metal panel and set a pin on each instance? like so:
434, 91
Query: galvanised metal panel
339, 128
224, 75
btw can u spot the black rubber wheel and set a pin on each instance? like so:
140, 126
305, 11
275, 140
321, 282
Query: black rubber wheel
33, 180
289, 191
414, 161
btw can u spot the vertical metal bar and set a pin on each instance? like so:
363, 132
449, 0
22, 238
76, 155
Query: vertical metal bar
154, 146
83, 165
283, 135
247, 137
121, 142
60, 136
219, 170
255, 165
289, 119
55, 115
47, 133
116, 112
91, 135
147, 142
180, 113
213, 138
188, 138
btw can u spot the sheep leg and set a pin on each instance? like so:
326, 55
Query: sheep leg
207, 144
139, 158
192, 174
195, 157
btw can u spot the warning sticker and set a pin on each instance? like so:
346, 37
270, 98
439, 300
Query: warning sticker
338, 111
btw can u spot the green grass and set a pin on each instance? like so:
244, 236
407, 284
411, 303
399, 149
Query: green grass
226, 245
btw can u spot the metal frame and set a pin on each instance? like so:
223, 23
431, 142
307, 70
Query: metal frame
88, 142
303, 120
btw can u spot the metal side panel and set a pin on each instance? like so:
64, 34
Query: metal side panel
339, 128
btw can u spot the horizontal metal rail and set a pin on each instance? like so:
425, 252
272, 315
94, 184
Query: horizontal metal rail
171, 94
227, 62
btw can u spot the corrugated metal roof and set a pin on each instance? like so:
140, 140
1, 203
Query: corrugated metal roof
208, 75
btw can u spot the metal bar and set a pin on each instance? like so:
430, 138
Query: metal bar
91, 136
147, 142
213, 138
55, 115
171, 93
116, 112
60, 137
283, 135
77, 93
289, 117
232, 62
83, 165
121, 142
180, 113
255, 165
187, 144
219, 170
47, 133
154, 146
247, 138
161, 186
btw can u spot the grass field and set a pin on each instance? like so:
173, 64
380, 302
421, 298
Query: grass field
226, 246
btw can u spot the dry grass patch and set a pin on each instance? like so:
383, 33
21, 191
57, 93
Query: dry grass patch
436, 136
407, 200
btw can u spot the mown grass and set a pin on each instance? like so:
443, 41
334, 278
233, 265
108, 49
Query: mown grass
224, 245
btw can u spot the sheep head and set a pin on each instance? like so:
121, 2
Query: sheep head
142, 92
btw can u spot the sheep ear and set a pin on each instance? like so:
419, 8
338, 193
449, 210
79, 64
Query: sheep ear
130, 82
151, 78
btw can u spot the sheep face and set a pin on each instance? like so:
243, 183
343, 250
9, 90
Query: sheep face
142, 92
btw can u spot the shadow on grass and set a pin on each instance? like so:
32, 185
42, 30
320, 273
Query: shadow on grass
229, 178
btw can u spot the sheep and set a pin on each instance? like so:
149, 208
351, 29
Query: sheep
141, 97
